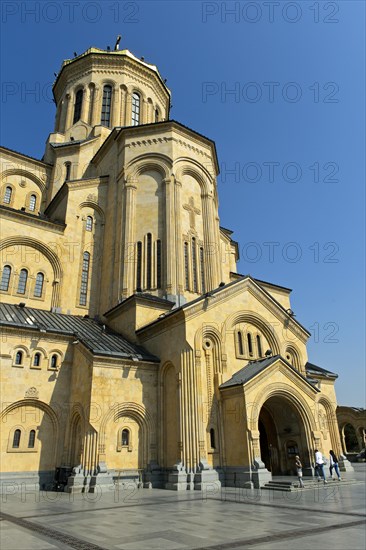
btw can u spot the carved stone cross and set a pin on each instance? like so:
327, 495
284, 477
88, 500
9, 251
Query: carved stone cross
192, 212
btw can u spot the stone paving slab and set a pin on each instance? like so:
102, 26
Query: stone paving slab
327, 517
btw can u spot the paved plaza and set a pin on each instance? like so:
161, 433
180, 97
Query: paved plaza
327, 517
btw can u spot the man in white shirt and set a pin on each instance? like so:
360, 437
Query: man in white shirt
319, 465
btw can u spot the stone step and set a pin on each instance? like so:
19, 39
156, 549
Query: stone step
309, 483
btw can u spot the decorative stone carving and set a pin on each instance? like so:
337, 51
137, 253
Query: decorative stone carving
32, 393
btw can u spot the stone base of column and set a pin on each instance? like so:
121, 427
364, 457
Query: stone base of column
207, 480
76, 483
177, 479
344, 464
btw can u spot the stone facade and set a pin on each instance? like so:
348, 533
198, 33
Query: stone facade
118, 226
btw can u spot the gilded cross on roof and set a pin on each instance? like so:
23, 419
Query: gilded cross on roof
192, 211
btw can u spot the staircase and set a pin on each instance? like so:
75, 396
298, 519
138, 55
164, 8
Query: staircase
309, 483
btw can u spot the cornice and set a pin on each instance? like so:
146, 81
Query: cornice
26, 158
293, 376
101, 63
30, 219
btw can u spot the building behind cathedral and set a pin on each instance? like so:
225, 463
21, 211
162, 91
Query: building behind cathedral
131, 347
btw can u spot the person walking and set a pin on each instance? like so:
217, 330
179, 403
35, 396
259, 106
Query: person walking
299, 471
319, 465
333, 463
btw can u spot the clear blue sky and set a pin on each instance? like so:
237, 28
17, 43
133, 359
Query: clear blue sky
292, 133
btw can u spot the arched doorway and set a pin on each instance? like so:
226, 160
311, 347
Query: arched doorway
282, 436
350, 437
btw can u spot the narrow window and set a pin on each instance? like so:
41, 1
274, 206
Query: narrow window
37, 360
125, 437
7, 195
240, 343
31, 440
32, 203
106, 105
139, 267
84, 278
202, 270
212, 438
250, 344
67, 171
158, 264
16, 439
259, 346
186, 266
38, 287
148, 262
78, 104
5, 278
194, 265
22, 283
89, 223
156, 115
135, 109
54, 361
19, 358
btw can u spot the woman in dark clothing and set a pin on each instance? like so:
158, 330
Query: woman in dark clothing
333, 463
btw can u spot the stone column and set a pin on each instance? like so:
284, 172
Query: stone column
123, 105
128, 258
116, 100
97, 106
128, 108
170, 244
179, 263
210, 239
85, 105
69, 112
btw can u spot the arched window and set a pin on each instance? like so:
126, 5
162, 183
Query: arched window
148, 261
156, 115
7, 195
37, 360
158, 264
106, 105
186, 266
139, 267
38, 287
5, 278
84, 278
67, 170
32, 203
19, 358
89, 223
125, 437
78, 104
250, 344
212, 438
22, 283
259, 346
135, 109
31, 439
240, 343
16, 439
202, 271
194, 265
54, 360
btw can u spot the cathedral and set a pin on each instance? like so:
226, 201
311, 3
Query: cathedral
132, 350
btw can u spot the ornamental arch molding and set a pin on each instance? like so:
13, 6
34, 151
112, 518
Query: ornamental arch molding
150, 162
36, 404
292, 396
48, 253
189, 167
143, 419
94, 206
26, 173
255, 320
